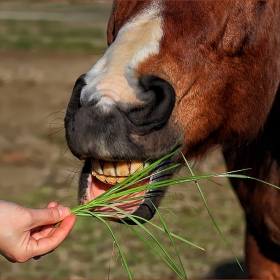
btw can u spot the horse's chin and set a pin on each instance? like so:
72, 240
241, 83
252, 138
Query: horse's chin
141, 204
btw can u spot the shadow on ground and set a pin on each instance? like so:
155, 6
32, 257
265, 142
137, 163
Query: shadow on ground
228, 270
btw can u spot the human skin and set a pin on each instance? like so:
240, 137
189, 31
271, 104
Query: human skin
30, 233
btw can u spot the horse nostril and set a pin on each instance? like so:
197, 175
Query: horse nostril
159, 98
74, 103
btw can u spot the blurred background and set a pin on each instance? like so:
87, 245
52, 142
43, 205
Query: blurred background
44, 48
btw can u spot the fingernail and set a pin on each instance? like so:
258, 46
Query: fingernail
64, 211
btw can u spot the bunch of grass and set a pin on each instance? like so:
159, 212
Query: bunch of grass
114, 194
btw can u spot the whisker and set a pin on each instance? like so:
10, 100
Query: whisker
59, 111
56, 132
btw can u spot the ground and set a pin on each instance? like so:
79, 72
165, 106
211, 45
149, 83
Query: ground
36, 80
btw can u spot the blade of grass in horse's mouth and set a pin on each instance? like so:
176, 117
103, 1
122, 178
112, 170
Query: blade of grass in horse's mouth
107, 174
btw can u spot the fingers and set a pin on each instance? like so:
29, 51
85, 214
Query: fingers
52, 204
48, 216
48, 244
27, 233
45, 231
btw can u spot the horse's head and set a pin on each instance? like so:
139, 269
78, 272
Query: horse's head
192, 73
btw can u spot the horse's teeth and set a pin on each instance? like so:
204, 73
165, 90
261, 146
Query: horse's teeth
112, 180
122, 169
109, 169
146, 164
115, 172
96, 166
101, 177
135, 167
121, 179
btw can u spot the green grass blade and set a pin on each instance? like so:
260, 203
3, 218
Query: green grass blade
117, 244
85, 213
171, 239
156, 252
174, 235
210, 214
171, 264
240, 176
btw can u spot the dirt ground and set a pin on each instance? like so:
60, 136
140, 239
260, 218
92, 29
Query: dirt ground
36, 167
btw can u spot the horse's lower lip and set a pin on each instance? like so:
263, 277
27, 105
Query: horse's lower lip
97, 187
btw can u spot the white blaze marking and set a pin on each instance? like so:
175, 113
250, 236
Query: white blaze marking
112, 78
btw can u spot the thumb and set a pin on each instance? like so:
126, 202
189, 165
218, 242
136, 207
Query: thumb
49, 216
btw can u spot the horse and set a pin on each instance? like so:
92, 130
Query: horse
198, 75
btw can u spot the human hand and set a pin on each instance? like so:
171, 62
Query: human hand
26, 233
